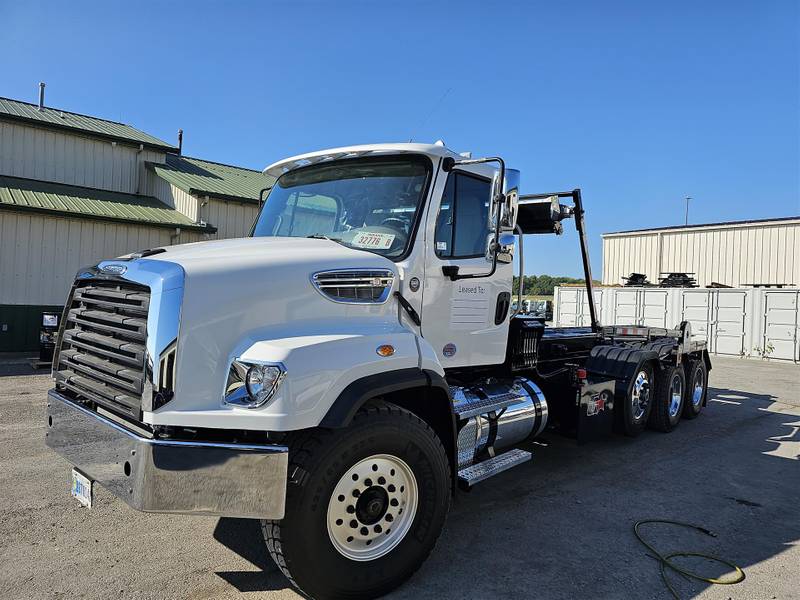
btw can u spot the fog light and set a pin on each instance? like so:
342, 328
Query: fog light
261, 381
251, 385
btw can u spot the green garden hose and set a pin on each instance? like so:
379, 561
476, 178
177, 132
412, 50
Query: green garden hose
664, 560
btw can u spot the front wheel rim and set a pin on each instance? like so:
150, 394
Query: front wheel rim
676, 395
372, 507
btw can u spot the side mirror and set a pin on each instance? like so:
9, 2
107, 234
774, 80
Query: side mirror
507, 193
504, 248
510, 208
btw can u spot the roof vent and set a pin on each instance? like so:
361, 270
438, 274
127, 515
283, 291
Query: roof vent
355, 286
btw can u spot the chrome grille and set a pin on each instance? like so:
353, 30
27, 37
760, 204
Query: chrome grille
102, 348
364, 286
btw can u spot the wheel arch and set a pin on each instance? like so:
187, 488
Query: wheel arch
621, 362
420, 391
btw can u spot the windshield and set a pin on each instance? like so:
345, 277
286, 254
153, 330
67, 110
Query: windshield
369, 203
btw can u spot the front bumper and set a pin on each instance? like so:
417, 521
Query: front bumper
169, 476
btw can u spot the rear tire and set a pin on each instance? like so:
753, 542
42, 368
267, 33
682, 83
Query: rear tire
696, 388
345, 533
638, 400
669, 398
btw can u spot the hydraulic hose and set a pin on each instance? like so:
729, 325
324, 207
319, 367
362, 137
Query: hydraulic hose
665, 562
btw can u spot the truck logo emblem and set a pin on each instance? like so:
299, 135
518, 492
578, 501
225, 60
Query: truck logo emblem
114, 269
449, 350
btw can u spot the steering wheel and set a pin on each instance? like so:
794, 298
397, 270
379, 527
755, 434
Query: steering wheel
388, 223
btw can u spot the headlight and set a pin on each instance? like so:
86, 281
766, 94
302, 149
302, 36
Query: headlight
252, 384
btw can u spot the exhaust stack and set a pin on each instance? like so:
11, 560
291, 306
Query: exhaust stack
41, 95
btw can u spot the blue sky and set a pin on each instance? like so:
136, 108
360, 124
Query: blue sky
637, 103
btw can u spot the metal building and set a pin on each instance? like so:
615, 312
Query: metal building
75, 189
739, 253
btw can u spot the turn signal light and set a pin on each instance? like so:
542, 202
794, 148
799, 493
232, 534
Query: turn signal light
385, 350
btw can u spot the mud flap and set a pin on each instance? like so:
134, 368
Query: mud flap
595, 409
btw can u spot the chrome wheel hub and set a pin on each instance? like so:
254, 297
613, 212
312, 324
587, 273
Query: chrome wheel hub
697, 391
640, 395
675, 396
372, 507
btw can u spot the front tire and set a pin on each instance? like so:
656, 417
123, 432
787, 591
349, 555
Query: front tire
364, 507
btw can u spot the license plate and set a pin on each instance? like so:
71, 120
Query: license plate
82, 488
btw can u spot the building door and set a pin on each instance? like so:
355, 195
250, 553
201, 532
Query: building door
696, 309
780, 337
729, 323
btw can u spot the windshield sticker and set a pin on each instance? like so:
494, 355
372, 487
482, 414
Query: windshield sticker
378, 241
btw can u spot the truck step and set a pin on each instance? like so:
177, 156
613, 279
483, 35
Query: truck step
467, 404
469, 476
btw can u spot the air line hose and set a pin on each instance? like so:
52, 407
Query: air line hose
665, 562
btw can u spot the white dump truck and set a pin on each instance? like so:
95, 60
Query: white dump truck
345, 370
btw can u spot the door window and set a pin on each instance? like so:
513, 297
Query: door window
462, 227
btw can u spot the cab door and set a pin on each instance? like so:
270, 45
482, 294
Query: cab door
465, 321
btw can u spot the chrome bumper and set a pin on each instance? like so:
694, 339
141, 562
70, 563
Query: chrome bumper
169, 476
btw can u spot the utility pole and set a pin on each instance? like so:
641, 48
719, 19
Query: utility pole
687, 209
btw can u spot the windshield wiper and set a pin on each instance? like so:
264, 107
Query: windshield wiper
319, 236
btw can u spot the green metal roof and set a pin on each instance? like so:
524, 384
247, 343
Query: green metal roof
205, 178
16, 110
74, 201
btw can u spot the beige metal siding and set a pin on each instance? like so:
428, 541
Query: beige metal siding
735, 255
40, 255
49, 155
232, 219
173, 196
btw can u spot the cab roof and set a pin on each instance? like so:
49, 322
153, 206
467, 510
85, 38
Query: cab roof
301, 160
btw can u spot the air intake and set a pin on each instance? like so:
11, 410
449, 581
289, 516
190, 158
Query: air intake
356, 286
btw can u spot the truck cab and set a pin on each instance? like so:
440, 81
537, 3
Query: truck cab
343, 371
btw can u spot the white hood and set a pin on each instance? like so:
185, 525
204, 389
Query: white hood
240, 291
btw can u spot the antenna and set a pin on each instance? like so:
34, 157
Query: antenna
433, 109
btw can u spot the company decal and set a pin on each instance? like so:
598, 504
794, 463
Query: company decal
114, 269
596, 404
449, 350
375, 241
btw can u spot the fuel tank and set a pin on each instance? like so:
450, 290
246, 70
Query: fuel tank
515, 411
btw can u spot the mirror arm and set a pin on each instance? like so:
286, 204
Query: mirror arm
521, 272
498, 200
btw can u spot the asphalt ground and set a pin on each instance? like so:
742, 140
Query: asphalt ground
557, 527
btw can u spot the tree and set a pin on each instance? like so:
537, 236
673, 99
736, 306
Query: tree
542, 285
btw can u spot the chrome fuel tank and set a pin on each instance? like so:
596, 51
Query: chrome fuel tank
516, 410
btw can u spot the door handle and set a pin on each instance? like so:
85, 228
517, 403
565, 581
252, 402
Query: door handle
501, 310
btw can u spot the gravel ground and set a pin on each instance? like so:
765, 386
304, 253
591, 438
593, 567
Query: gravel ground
557, 527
